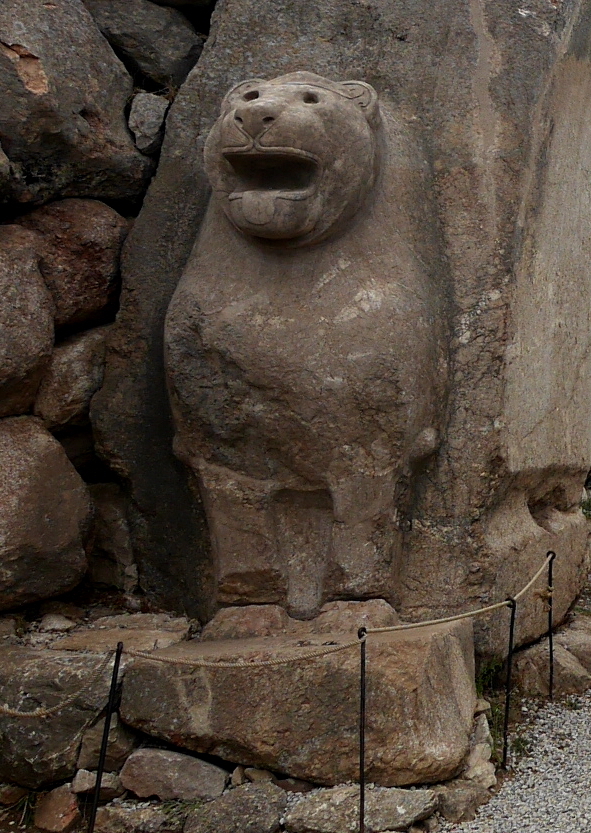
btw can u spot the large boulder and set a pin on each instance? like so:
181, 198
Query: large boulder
160, 42
26, 320
44, 515
301, 718
38, 751
495, 101
80, 248
62, 124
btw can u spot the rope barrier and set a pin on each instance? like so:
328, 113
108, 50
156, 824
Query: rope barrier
312, 653
469, 614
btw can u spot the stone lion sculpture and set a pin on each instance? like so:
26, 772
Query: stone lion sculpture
304, 343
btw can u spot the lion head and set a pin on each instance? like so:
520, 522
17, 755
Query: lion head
293, 159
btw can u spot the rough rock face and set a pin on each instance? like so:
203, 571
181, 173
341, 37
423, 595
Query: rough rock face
332, 811
38, 751
57, 812
26, 320
505, 169
110, 558
158, 41
63, 124
302, 718
73, 376
247, 809
120, 745
146, 121
44, 515
168, 774
118, 818
80, 252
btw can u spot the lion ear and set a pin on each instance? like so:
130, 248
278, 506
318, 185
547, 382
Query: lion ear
364, 95
242, 88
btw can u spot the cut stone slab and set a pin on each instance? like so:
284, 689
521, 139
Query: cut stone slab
44, 515
74, 375
420, 700
137, 631
251, 808
172, 775
160, 42
62, 124
146, 121
40, 751
26, 320
80, 246
269, 620
57, 812
337, 810
131, 817
111, 558
120, 745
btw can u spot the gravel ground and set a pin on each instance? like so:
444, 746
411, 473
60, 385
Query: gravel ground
550, 791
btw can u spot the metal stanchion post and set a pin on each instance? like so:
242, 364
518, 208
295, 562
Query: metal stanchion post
362, 633
105, 740
513, 605
552, 555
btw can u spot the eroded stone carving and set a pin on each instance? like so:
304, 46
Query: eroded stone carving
304, 343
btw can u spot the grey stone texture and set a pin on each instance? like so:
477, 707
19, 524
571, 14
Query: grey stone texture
137, 818
158, 41
172, 775
80, 250
26, 320
146, 121
493, 103
44, 515
62, 125
111, 559
251, 808
36, 752
74, 374
301, 718
336, 810
120, 745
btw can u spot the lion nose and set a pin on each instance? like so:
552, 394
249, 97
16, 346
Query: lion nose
256, 117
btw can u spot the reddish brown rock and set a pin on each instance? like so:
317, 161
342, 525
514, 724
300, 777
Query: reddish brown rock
74, 374
167, 774
26, 320
11, 793
44, 515
57, 811
301, 718
80, 249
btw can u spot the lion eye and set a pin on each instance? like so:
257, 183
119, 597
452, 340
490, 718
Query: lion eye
250, 96
310, 98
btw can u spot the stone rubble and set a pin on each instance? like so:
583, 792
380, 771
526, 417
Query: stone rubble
146, 121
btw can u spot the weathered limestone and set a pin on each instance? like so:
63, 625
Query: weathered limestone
332, 811
26, 320
73, 376
302, 719
500, 181
158, 41
80, 249
305, 420
246, 809
146, 121
44, 515
40, 751
62, 124
172, 775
